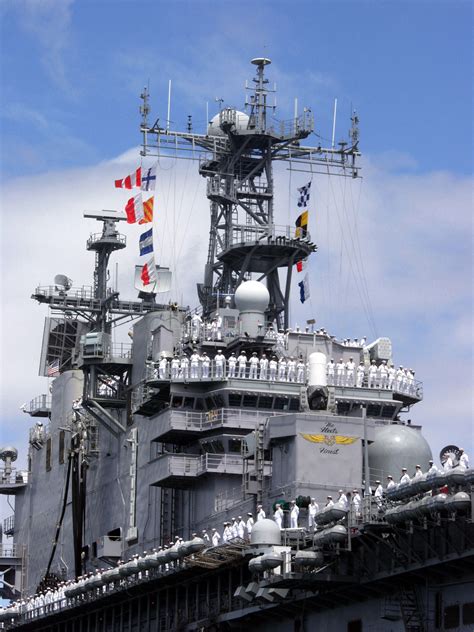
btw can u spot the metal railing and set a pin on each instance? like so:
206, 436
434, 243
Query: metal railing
264, 234
411, 388
209, 371
86, 292
193, 466
107, 350
41, 402
9, 525
229, 498
190, 420
96, 237
11, 550
13, 477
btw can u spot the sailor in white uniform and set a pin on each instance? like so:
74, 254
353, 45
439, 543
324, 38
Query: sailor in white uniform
313, 509
463, 459
330, 370
264, 367
340, 373
342, 500
261, 515
184, 368
300, 367
195, 360
390, 482
294, 513
282, 370
253, 366
399, 379
391, 377
383, 370
329, 502
356, 501
227, 533
163, 368
215, 537
404, 478
206, 365
249, 524
433, 470
373, 371
240, 528
291, 369
273, 366
242, 362
196, 323
360, 375
378, 494
418, 472
350, 371
219, 363
448, 464
278, 516
175, 368
232, 362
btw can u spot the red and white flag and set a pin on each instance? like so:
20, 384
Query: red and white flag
301, 265
148, 274
130, 181
134, 209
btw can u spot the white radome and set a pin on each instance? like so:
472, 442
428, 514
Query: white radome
213, 129
265, 532
252, 296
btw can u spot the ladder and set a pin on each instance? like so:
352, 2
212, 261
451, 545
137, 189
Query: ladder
411, 607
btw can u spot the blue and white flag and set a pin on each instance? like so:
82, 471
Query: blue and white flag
304, 289
149, 178
146, 242
304, 193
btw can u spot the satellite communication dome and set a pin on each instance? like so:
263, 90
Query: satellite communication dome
397, 446
8, 452
252, 296
265, 532
214, 128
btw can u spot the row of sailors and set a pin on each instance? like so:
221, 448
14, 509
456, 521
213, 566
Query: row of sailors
376, 376
202, 367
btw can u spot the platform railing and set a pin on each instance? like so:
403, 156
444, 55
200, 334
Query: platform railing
13, 477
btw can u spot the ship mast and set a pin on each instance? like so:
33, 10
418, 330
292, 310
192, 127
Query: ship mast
236, 157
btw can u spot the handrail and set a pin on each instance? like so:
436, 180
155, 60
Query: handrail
13, 476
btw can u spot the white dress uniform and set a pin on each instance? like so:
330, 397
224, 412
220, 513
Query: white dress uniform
261, 515
282, 370
378, 491
391, 484
373, 370
313, 509
383, 375
433, 471
195, 360
399, 379
448, 464
330, 370
227, 534
418, 473
278, 517
405, 479
356, 502
196, 323
300, 367
249, 525
206, 364
404, 387
215, 538
273, 366
291, 370
342, 500
219, 363
410, 382
360, 375
242, 362
294, 513
184, 368
163, 365
350, 370
464, 461
241, 529
235, 529
264, 368
340, 373
175, 368
254, 361
232, 362
391, 376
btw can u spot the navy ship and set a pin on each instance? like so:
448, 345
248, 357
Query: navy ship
224, 469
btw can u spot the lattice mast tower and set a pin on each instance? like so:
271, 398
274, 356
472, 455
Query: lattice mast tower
236, 156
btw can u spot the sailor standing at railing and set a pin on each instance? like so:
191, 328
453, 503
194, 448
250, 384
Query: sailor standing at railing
184, 368
360, 375
410, 381
432, 470
391, 376
264, 367
291, 369
249, 524
329, 501
378, 494
418, 472
404, 478
294, 513
350, 371
253, 366
373, 370
175, 363
463, 459
448, 464
300, 368
331, 370
278, 516
356, 501
340, 373
215, 537
234, 528
162, 368
272, 367
227, 533
399, 378
261, 515
206, 364
390, 482
383, 370
195, 360
196, 323
282, 370
232, 362
242, 362
313, 509
342, 500
240, 528
219, 363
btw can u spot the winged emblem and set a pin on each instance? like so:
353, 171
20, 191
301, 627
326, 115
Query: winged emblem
329, 439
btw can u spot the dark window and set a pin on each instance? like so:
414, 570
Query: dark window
209, 403
294, 404
48, 454
354, 626
250, 401
235, 445
388, 412
234, 399
451, 617
220, 402
281, 403
199, 404
438, 610
265, 402
468, 612
115, 534
61, 446
343, 408
373, 410
188, 402
176, 401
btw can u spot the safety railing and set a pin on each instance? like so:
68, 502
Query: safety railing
191, 466
38, 404
190, 420
11, 550
209, 370
9, 525
13, 476
411, 388
254, 233
85, 292
97, 237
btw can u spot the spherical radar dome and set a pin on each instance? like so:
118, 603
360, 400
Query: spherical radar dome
214, 129
395, 447
265, 532
252, 296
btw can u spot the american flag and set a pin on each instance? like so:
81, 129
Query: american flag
304, 193
53, 368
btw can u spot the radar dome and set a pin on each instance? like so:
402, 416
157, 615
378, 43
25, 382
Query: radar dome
395, 447
252, 296
8, 452
214, 128
265, 532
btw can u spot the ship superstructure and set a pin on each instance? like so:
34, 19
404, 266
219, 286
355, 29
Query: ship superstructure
209, 413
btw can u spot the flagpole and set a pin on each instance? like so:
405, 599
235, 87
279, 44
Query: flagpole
169, 106
334, 123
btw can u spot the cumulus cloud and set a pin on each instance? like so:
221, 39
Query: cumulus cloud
400, 242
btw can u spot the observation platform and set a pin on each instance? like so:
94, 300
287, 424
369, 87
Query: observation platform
13, 482
40, 406
181, 471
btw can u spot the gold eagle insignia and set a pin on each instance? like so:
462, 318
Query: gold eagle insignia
329, 439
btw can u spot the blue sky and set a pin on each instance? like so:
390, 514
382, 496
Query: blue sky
71, 74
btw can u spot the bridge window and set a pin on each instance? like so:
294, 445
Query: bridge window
265, 402
250, 401
234, 399
451, 617
48, 454
468, 613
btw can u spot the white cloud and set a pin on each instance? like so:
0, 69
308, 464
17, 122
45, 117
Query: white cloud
414, 236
